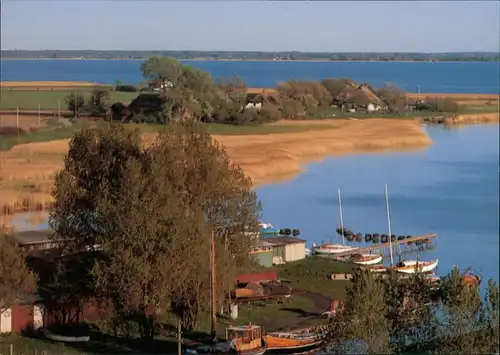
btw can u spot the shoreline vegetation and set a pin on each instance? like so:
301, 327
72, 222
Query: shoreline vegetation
252, 56
296, 123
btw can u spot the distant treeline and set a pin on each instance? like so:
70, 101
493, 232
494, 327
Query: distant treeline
238, 55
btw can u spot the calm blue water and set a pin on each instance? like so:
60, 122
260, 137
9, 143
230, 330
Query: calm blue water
431, 77
450, 189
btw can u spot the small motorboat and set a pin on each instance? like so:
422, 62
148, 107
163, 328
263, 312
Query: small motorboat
332, 248
291, 343
268, 228
471, 279
365, 259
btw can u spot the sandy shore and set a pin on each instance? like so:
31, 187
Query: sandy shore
27, 171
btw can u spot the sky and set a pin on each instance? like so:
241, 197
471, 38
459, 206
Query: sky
314, 26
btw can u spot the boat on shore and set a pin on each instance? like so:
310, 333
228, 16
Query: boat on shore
365, 259
291, 343
331, 249
415, 266
407, 267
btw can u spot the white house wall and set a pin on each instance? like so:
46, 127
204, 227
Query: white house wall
37, 317
6, 321
296, 251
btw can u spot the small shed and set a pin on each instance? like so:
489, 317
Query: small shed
21, 316
287, 249
263, 253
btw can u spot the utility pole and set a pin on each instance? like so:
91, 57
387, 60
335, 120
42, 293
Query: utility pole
58, 110
17, 124
179, 338
38, 115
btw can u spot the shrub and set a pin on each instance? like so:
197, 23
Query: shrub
127, 88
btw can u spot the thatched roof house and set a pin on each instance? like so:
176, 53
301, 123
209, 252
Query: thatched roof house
262, 98
359, 96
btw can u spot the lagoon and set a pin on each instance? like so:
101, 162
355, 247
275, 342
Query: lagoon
435, 77
451, 189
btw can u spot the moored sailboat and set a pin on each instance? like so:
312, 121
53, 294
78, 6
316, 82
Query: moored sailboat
330, 248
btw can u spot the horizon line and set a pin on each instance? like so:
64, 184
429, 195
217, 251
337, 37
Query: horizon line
244, 51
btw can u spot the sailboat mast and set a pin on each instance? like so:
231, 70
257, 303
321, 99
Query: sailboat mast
389, 222
341, 218
212, 286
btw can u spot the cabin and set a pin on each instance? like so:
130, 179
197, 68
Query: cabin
146, 104
359, 98
287, 249
263, 253
257, 100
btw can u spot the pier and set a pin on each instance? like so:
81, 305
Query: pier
381, 247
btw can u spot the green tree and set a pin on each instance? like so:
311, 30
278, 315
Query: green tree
160, 71
393, 97
75, 102
16, 280
462, 325
335, 86
98, 102
150, 213
362, 328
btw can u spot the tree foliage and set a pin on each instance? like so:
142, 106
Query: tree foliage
75, 102
148, 213
16, 280
98, 102
404, 315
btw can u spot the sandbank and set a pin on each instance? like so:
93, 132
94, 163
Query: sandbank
27, 171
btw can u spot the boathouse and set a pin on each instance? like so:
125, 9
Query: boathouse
286, 249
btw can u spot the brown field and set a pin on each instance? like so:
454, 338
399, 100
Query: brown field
492, 117
26, 122
27, 171
47, 84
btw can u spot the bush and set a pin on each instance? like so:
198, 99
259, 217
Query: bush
126, 88
438, 105
270, 113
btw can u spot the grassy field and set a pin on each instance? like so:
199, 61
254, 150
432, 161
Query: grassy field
312, 274
48, 100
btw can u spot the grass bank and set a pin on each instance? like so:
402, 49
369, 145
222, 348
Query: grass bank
29, 99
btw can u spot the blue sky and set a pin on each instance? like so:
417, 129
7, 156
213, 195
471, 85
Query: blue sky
354, 26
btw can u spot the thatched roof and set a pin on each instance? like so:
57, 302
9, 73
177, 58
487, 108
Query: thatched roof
262, 98
361, 95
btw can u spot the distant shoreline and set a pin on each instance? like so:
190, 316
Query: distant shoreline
264, 60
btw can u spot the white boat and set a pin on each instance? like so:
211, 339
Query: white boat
331, 248
415, 266
366, 259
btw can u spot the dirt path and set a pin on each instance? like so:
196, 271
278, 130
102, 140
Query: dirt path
320, 305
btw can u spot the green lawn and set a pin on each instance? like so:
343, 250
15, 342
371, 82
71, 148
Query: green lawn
312, 274
28, 346
48, 100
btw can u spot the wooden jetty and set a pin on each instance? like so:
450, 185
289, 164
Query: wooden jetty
382, 246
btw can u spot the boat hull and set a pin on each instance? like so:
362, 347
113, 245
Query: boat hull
373, 261
422, 267
293, 350
333, 249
